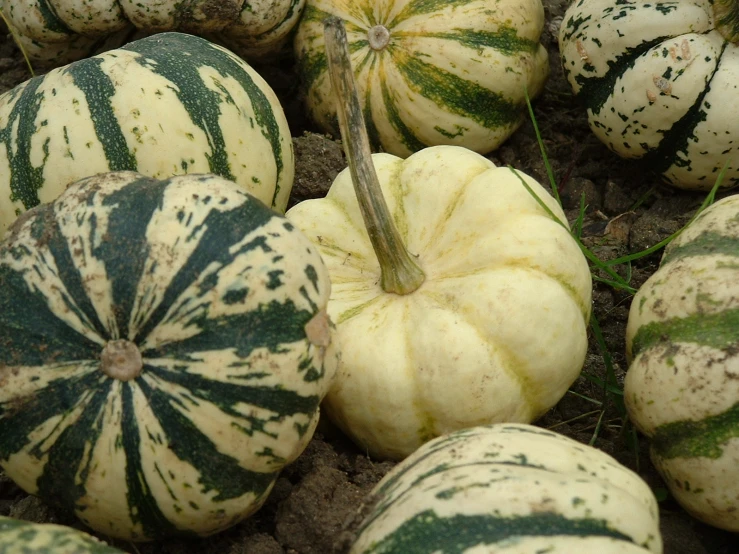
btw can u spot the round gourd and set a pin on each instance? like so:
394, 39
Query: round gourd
165, 105
56, 32
682, 386
429, 73
484, 321
510, 489
660, 82
164, 347
24, 537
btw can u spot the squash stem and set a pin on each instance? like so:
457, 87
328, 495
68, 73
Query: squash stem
400, 273
726, 19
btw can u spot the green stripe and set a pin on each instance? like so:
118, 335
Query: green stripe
143, 508
426, 532
455, 94
218, 472
504, 40
25, 179
51, 19
407, 137
278, 324
216, 235
179, 57
314, 15
421, 7
692, 439
99, 90
126, 250
708, 243
313, 66
679, 136
46, 230
230, 397
21, 416
595, 91
30, 333
719, 330
65, 474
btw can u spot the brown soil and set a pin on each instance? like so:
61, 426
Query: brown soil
315, 499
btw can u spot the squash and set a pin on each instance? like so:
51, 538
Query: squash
23, 537
486, 320
164, 348
429, 73
165, 105
660, 82
57, 32
682, 385
509, 488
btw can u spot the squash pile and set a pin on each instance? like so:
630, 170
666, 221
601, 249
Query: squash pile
168, 335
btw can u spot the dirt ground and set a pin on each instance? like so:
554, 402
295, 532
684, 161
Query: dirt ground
311, 508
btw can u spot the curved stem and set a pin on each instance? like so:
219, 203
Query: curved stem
726, 19
399, 271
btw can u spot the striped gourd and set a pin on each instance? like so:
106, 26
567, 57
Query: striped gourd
682, 387
429, 72
164, 105
660, 82
24, 537
509, 488
56, 32
164, 348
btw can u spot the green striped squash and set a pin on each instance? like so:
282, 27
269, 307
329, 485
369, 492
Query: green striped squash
429, 72
682, 386
24, 537
509, 488
660, 82
164, 105
164, 347
56, 32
